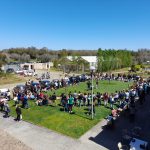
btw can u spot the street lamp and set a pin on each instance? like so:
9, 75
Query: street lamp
92, 69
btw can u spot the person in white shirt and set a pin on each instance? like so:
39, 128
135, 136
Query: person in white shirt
127, 95
8, 94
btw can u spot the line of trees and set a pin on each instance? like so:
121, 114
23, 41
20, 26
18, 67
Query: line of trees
44, 54
113, 59
108, 59
141, 56
3, 59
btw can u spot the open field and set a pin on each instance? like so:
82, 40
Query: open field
10, 78
104, 86
76, 124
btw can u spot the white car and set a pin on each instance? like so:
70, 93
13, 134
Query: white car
29, 73
3, 91
19, 71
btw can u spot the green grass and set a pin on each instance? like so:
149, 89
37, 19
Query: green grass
104, 86
73, 125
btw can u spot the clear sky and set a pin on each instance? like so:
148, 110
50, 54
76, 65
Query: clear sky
75, 24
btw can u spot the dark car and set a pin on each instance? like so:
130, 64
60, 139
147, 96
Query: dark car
83, 78
10, 70
78, 79
72, 80
20, 88
45, 83
35, 84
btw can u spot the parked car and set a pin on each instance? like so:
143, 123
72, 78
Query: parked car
72, 80
45, 83
83, 78
3, 92
35, 83
78, 79
10, 70
20, 88
29, 73
19, 71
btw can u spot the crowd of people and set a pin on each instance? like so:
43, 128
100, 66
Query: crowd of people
128, 100
125, 99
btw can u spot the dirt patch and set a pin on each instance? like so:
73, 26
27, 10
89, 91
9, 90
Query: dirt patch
7, 142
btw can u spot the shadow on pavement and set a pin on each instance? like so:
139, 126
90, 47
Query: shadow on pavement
124, 130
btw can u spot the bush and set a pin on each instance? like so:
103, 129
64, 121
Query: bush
137, 67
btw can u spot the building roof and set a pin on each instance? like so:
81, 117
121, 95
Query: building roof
89, 59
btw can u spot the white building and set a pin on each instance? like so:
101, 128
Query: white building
92, 60
29, 66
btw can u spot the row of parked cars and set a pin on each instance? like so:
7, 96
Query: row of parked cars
45, 83
22, 72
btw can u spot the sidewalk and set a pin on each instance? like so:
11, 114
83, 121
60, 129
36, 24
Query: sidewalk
39, 138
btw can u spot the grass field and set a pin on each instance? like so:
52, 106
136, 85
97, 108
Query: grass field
104, 86
6, 78
74, 125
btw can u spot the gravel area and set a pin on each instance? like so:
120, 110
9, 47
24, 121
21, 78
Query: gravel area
7, 142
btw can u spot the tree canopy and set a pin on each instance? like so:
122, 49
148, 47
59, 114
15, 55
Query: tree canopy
113, 59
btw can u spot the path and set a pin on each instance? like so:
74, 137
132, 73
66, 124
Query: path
39, 138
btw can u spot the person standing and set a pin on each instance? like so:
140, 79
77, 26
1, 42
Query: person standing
6, 109
8, 94
98, 98
25, 102
88, 85
111, 98
19, 113
105, 97
96, 83
70, 103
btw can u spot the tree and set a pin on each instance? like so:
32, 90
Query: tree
44, 58
25, 58
113, 59
3, 59
81, 63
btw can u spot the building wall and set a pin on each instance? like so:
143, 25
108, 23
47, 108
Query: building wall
13, 66
38, 65
92, 60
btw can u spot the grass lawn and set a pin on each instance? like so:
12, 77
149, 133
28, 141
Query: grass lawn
73, 125
104, 86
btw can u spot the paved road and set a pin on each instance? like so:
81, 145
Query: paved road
39, 138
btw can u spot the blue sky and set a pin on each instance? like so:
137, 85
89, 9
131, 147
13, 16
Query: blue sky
75, 24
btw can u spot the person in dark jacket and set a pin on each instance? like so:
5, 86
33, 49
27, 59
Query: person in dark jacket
19, 113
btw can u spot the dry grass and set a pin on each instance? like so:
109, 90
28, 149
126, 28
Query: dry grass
10, 79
